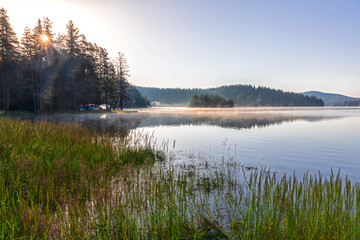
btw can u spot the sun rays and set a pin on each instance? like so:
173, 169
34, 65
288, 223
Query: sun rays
44, 38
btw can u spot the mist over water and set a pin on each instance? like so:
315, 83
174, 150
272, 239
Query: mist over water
282, 139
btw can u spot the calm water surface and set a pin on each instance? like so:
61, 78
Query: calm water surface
282, 139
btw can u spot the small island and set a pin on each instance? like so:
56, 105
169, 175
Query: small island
210, 101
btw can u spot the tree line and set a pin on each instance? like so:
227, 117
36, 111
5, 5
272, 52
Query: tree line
45, 72
242, 95
212, 101
355, 103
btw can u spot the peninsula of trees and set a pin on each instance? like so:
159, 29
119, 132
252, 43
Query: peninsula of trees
46, 72
242, 95
210, 101
355, 103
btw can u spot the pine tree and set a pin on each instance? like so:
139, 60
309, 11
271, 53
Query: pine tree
51, 64
37, 66
8, 58
87, 80
27, 54
47, 30
122, 84
104, 69
72, 46
72, 40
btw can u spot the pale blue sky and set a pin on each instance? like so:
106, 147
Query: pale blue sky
285, 44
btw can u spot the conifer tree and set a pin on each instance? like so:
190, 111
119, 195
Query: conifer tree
8, 58
87, 80
37, 65
72, 40
47, 30
57, 72
27, 55
122, 85
72, 46
50, 64
104, 70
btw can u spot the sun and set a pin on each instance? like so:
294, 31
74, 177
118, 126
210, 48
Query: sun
44, 38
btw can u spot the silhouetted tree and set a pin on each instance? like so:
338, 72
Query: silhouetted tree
122, 84
8, 58
87, 80
105, 71
45, 72
72, 45
27, 56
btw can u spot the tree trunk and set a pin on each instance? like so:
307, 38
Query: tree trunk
121, 103
38, 91
39, 94
33, 88
74, 93
4, 88
7, 100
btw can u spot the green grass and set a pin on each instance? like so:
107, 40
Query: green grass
46, 167
61, 181
15, 113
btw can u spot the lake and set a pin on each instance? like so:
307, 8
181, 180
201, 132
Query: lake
280, 139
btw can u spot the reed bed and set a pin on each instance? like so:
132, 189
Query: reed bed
46, 167
60, 181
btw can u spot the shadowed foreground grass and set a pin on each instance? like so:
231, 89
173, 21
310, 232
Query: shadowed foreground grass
61, 181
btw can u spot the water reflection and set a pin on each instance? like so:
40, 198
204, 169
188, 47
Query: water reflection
284, 139
122, 124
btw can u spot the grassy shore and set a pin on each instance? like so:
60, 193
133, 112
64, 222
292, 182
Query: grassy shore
62, 181
47, 167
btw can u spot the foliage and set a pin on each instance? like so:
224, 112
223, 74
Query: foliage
8, 61
45, 74
212, 101
242, 95
122, 82
355, 103
330, 99
136, 99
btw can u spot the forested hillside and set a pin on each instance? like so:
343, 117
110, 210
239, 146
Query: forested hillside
331, 99
355, 103
242, 95
210, 101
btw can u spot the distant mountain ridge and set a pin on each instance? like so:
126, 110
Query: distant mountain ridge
331, 99
242, 95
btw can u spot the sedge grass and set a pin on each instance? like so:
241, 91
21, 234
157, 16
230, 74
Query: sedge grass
45, 167
60, 181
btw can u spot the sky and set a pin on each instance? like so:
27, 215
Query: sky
283, 44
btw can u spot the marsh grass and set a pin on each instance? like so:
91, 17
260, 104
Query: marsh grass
61, 181
46, 167
15, 113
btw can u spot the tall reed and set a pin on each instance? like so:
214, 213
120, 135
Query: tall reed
45, 167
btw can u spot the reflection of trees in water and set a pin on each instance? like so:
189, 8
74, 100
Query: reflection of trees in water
122, 124
239, 122
107, 123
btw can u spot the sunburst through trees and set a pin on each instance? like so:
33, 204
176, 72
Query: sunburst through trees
46, 72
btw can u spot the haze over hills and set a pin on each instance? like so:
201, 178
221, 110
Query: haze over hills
242, 95
331, 99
